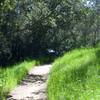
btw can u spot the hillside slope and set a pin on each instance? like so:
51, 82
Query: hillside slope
76, 76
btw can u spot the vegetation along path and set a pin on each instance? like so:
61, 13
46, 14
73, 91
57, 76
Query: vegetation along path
33, 87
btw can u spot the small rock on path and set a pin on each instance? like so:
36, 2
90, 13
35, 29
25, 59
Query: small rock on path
33, 87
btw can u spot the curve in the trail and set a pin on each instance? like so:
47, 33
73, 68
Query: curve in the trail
33, 87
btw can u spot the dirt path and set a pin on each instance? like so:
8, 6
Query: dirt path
33, 87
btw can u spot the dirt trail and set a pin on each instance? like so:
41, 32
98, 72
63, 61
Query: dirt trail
33, 87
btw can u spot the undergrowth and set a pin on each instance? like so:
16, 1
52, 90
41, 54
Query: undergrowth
76, 76
12, 75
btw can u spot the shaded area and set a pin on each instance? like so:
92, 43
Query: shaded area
29, 28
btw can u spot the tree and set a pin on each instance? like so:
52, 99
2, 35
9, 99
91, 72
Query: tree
31, 27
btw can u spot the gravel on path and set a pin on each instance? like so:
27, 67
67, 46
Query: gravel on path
33, 87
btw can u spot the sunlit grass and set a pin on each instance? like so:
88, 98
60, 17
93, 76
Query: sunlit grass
76, 76
12, 75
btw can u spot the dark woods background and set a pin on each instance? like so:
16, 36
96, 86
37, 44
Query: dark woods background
29, 28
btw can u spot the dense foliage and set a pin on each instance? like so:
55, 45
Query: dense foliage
31, 27
76, 76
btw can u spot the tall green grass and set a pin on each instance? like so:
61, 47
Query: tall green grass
12, 75
76, 76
